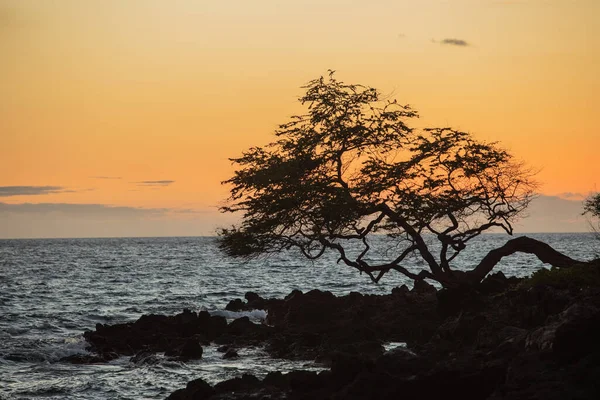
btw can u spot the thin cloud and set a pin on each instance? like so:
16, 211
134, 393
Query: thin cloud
97, 210
455, 42
106, 177
571, 196
155, 183
8, 191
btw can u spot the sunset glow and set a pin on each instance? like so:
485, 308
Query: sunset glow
139, 104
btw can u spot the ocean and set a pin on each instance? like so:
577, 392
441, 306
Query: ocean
52, 290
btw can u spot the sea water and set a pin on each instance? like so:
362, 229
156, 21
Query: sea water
51, 291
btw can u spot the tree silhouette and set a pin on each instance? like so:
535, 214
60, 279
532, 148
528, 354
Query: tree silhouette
351, 168
591, 206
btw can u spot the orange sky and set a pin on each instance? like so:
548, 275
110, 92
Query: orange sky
148, 90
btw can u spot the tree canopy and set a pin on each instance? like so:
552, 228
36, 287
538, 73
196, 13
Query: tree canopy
591, 205
352, 167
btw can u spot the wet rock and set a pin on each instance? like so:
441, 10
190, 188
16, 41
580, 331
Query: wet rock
422, 286
497, 283
191, 350
197, 389
463, 329
241, 326
570, 333
144, 358
235, 305
276, 379
252, 297
303, 381
400, 291
246, 382
155, 333
225, 339
230, 353
345, 367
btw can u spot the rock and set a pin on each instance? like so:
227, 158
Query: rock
463, 329
225, 339
422, 286
402, 361
246, 382
303, 381
576, 332
276, 379
191, 350
494, 283
156, 333
495, 336
293, 294
144, 358
235, 305
345, 367
230, 353
252, 297
223, 349
400, 291
197, 389
186, 317
454, 301
241, 326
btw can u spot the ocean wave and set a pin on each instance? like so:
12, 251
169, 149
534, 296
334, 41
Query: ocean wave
36, 351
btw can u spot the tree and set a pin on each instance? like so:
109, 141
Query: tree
591, 206
352, 168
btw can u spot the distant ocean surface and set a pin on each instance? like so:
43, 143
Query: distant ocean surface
51, 291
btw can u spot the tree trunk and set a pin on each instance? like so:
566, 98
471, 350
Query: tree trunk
521, 244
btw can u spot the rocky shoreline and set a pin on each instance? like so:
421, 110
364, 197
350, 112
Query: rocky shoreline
505, 339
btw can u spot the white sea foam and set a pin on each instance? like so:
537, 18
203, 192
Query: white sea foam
393, 345
254, 315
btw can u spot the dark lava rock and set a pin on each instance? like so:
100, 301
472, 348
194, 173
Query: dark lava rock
223, 349
197, 389
246, 382
401, 290
521, 343
230, 353
422, 286
497, 283
144, 358
191, 350
235, 305
252, 297
156, 333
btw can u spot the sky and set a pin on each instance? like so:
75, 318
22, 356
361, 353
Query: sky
117, 118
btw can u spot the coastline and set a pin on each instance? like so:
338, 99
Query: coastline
508, 338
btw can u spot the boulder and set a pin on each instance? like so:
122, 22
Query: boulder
230, 353
197, 389
191, 350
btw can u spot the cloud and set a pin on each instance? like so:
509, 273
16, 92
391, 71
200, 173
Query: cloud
90, 210
571, 196
7, 191
155, 183
553, 214
106, 177
68, 220
455, 42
